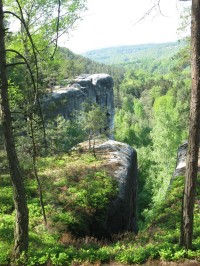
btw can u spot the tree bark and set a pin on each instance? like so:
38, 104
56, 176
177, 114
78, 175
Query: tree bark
194, 132
21, 220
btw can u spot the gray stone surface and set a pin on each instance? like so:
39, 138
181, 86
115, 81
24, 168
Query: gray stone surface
97, 88
121, 161
181, 160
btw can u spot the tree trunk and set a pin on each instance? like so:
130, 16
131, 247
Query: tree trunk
21, 222
36, 171
194, 132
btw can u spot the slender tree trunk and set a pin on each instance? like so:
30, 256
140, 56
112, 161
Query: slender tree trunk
194, 132
36, 171
30, 103
21, 222
93, 148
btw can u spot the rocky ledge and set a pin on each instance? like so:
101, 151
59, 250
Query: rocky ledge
97, 88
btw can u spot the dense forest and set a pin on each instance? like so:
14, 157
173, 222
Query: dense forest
53, 196
130, 54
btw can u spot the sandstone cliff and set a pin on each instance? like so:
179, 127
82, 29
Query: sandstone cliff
119, 159
97, 88
121, 162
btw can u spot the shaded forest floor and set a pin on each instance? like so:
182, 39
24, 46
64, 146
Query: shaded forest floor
71, 185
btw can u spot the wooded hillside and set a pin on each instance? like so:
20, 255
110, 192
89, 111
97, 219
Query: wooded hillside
59, 190
132, 53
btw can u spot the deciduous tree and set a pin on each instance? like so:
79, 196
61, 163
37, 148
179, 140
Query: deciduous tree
94, 122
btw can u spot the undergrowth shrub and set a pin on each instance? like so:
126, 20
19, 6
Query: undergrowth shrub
75, 199
82, 201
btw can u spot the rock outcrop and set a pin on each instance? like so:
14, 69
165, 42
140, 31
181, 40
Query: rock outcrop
119, 159
97, 88
121, 162
181, 160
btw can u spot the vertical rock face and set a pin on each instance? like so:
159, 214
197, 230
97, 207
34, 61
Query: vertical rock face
120, 160
181, 160
97, 88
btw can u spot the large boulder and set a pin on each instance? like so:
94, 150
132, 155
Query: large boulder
97, 88
121, 162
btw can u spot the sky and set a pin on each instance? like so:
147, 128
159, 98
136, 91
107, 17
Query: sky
109, 23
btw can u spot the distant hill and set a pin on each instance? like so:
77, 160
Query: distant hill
127, 54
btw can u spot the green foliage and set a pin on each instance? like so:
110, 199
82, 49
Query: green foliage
5, 253
152, 117
132, 54
64, 134
75, 192
145, 183
131, 125
166, 138
94, 120
83, 201
77, 198
151, 109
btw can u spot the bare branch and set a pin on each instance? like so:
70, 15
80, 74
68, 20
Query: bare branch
36, 66
155, 6
15, 15
33, 49
149, 11
160, 11
22, 20
15, 64
27, 64
57, 28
